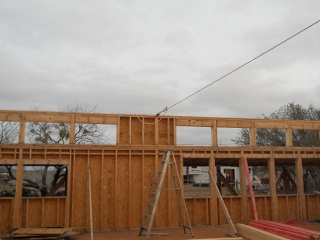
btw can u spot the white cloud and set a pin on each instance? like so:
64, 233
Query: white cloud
141, 56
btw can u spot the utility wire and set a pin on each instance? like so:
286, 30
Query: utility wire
229, 73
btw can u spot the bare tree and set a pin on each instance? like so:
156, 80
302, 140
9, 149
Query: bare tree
9, 132
301, 138
44, 132
59, 133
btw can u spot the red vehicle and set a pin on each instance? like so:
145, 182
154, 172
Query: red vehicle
265, 179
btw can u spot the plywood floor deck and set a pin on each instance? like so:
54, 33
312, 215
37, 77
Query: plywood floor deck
174, 234
222, 231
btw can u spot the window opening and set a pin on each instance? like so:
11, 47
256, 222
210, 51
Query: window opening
196, 178
9, 132
286, 178
8, 180
197, 136
59, 133
45, 181
228, 180
227, 136
311, 179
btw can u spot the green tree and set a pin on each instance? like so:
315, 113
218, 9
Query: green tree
301, 138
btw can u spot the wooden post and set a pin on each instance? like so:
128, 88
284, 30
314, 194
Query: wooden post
289, 137
218, 180
253, 139
253, 200
90, 198
214, 216
72, 130
17, 202
22, 128
273, 188
243, 187
300, 190
214, 134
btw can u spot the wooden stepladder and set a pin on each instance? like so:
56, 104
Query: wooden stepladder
155, 195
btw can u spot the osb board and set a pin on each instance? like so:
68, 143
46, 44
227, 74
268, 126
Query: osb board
165, 131
34, 211
234, 208
200, 212
191, 210
5, 210
48, 211
136, 191
161, 218
108, 193
124, 127
79, 198
173, 213
95, 165
51, 212
313, 206
264, 207
122, 192
222, 218
149, 131
62, 211
139, 167
136, 131
288, 207
149, 169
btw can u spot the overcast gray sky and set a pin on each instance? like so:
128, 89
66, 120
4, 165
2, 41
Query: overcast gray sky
141, 56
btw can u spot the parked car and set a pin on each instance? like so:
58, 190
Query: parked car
265, 179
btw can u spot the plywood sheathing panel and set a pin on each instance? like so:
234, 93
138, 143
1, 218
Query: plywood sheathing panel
136, 131
95, 165
136, 191
108, 192
122, 192
289, 207
34, 212
6, 214
138, 139
124, 129
312, 206
201, 208
149, 169
50, 211
161, 217
80, 212
165, 132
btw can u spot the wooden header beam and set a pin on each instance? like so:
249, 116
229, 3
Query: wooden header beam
129, 133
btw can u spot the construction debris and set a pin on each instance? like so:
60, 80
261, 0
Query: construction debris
42, 233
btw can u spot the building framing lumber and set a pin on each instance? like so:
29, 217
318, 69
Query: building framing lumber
121, 173
254, 233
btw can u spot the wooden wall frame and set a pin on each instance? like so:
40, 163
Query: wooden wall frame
123, 173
